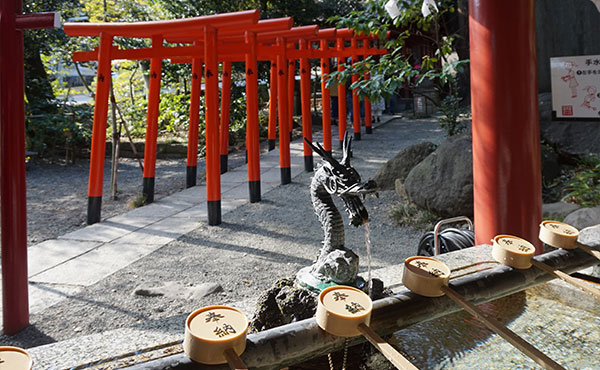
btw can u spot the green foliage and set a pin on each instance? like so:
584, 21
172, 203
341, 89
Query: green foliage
451, 112
56, 124
401, 67
137, 201
174, 113
583, 187
407, 214
70, 128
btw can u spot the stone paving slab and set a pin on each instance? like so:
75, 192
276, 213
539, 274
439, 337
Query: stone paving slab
96, 264
160, 232
51, 253
102, 232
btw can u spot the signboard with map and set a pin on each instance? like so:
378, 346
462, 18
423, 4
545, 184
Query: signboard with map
576, 86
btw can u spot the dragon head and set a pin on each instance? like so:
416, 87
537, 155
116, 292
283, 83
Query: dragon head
344, 181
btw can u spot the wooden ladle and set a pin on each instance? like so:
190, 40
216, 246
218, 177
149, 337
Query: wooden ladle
216, 335
429, 277
346, 312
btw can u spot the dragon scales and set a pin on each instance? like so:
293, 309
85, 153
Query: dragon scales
336, 264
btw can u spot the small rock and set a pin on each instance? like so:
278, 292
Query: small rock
147, 291
584, 217
175, 290
590, 236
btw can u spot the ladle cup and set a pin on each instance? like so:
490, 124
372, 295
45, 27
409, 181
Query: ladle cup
346, 312
518, 253
14, 358
429, 277
561, 235
216, 335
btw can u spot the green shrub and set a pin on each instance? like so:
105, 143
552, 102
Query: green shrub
52, 134
451, 112
583, 187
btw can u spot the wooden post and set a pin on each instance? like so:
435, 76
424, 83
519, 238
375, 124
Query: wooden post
152, 122
272, 130
211, 81
192, 150
252, 128
284, 136
325, 99
225, 112
341, 95
306, 113
507, 176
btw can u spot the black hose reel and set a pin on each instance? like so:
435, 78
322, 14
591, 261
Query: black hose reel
450, 239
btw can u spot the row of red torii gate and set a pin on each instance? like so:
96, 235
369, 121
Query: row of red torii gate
204, 42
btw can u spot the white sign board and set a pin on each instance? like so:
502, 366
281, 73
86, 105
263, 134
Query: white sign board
576, 86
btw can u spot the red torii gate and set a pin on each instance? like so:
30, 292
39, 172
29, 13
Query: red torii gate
15, 301
232, 47
267, 45
306, 52
157, 52
157, 31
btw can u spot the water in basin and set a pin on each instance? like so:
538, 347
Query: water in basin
559, 320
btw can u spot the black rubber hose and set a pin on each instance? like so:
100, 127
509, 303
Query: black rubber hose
451, 239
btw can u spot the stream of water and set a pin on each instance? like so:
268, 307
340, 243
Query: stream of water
368, 245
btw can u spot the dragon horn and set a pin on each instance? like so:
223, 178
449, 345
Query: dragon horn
346, 149
323, 153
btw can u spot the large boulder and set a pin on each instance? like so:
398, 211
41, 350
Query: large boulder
558, 210
443, 182
571, 138
399, 166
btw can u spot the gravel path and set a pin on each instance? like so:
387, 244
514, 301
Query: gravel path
254, 246
57, 194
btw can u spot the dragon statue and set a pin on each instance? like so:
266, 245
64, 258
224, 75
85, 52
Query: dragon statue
336, 264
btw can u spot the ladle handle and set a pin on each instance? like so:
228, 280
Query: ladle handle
494, 325
386, 349
234, 361
589, 250
569, 279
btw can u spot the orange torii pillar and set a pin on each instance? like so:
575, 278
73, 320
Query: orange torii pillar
225, 114
355, 100
272, 128
325, 98
192, 152
211, 81
306, 113
290, 93
98, 148
506, 136
341, 93
252, 129
284, 131
152, 122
